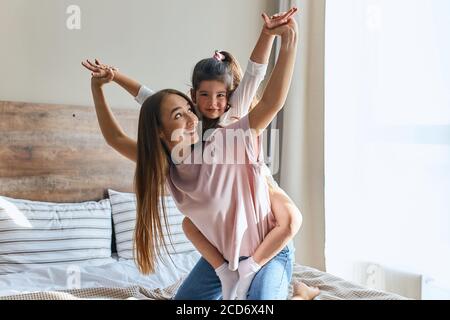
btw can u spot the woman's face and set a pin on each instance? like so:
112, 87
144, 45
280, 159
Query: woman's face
211, 99
179, 122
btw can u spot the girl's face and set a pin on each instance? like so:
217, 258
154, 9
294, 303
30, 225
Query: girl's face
211, 99
179, 123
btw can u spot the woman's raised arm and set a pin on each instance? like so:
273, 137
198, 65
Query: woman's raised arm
100, 70
111, 130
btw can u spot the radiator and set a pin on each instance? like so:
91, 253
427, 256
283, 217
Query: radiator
406, 284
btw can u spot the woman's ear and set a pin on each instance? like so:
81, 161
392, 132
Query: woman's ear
161, 134
193, 97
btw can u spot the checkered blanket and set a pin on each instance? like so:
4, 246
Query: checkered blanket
331, 287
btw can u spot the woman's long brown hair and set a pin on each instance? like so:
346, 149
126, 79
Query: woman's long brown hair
152, 167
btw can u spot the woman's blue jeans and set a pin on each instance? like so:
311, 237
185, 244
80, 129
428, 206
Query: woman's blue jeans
270, 283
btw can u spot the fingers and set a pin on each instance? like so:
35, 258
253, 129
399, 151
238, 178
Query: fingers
101, 65
293, 13
290, 13
95, 72
276, 15
266, 18
98, 70
286, 16
94, 66
97, 65
89, 66
105, 66
281, 15
279, 18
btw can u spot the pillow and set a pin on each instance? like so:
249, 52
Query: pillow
123, 207
36, 234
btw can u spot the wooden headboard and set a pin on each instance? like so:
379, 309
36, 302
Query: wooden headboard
57, 153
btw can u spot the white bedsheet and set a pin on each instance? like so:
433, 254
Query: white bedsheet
122, 273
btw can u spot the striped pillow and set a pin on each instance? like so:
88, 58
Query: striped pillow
123, 207
35, 234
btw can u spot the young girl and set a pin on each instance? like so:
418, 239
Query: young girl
214, 81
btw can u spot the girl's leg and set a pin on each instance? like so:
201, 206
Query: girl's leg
228, 278
289, 220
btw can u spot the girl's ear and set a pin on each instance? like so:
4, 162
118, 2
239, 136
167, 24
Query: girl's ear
193, 97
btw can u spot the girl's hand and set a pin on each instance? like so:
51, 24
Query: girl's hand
277, 20
101, 73
280, 22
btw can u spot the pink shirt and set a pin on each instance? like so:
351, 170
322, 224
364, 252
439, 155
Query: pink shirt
228, 202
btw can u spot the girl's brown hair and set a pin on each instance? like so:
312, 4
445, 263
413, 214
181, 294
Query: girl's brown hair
227, 71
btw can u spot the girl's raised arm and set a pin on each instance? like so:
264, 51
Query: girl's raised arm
241, 100
275, 94
263, 48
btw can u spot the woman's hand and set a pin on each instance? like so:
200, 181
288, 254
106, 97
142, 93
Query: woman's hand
101, 73
280, 23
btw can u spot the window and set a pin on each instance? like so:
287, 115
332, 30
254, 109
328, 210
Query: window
387, 136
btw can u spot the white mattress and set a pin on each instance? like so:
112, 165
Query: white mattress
124, 274
118, 273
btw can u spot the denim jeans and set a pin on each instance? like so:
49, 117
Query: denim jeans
270, 283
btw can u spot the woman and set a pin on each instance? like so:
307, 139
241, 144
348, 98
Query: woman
170, 111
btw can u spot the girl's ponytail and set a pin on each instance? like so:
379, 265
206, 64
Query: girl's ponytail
236, 71
234, 68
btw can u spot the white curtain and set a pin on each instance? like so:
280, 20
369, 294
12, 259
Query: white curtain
302, 158
387, 136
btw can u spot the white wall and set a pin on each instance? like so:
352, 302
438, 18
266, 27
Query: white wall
156, 42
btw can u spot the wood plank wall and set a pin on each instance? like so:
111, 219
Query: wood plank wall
57, 153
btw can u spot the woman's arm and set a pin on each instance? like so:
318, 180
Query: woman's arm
99, 70
111, 130
277, 89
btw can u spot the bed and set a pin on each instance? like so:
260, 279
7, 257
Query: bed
66, 215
